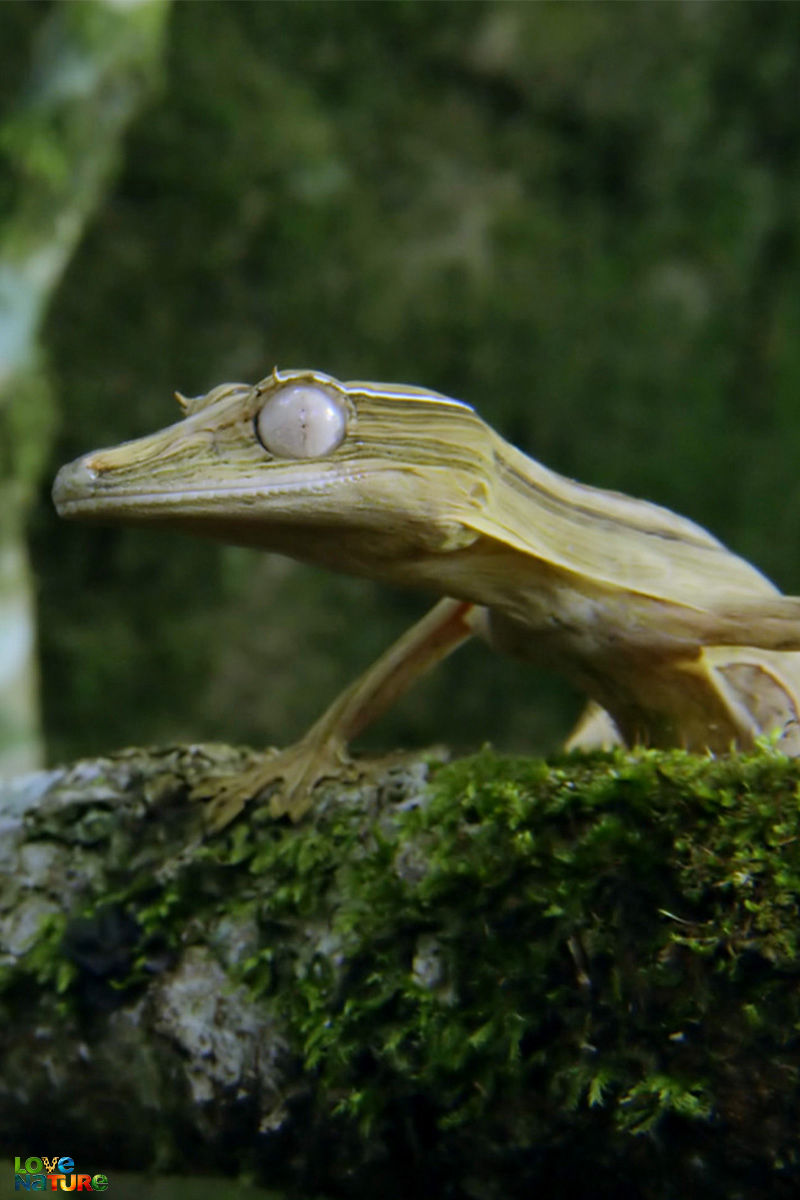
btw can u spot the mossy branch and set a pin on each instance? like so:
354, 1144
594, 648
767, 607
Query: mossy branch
486, 984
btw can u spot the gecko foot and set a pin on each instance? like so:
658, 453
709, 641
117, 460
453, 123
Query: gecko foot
289, 777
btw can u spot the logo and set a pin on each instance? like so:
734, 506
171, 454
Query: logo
47, 1174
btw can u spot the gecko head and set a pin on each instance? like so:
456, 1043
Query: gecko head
299, 463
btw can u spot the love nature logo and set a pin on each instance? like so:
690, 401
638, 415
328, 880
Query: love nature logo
48, 1174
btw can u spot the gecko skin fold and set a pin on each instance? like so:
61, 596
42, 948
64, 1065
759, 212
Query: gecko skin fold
675, 640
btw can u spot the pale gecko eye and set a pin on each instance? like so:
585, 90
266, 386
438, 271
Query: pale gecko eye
302, 421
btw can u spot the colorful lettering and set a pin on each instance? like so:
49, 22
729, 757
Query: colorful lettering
36, 1166
60, 1174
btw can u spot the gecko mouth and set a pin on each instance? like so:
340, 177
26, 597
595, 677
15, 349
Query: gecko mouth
78, 491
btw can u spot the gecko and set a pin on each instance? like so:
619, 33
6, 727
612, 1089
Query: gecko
675, 640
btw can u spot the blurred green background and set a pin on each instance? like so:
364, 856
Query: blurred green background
581, 218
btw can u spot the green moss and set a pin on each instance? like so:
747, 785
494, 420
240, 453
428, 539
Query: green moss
536, 941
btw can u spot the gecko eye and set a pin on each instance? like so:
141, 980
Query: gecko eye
302, 421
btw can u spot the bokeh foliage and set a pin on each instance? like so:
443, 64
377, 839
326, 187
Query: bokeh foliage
78, 75
582, 218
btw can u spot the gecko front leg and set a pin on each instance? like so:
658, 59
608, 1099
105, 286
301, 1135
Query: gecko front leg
321, 753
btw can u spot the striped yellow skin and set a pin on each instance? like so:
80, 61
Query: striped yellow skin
680, 641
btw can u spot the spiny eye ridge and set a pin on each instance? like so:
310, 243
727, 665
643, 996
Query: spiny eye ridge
302, 420
191, 405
